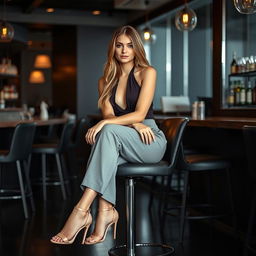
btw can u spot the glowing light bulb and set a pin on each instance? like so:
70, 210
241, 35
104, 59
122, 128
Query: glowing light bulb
4, 31
185, 18
147, 35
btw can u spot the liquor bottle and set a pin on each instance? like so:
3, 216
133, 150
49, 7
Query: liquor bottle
249, 93
233, 66
231, 95
237, 92
2, 100
242, 94
254, 94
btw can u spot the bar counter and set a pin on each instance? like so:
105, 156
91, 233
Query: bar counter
213, 122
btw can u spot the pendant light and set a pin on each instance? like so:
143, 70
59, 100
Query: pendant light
42, 61
36, 77
185, 19
245, 6
6, 29
148, 35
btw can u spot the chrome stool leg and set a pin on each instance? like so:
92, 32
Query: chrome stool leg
130, 248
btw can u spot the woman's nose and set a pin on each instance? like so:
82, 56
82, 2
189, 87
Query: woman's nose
124, 49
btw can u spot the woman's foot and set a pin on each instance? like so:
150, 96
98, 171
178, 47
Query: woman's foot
79, 219
105, 218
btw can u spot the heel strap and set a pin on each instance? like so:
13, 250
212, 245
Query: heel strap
82, 210
106, 209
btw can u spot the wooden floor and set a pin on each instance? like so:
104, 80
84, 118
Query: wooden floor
19, 237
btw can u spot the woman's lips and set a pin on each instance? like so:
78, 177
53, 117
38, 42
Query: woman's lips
124, 56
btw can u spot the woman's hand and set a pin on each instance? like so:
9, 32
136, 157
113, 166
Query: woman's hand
145, 132
93, 131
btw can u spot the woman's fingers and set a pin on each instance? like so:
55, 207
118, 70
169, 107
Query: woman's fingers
89, 136
147, 136
153, 138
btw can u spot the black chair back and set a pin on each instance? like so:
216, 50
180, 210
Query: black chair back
249, 133
173, 129
65, 139
22, 141
80, 130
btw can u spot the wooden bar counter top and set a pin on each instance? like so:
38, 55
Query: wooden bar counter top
217, 121
214, 122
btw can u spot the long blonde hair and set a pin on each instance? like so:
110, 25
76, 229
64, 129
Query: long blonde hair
112, 68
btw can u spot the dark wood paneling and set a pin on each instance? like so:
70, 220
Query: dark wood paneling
64, 68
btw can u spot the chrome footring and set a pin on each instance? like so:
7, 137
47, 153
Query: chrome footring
142, 250
6, 194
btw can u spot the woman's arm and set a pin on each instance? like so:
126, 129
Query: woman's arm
106, 110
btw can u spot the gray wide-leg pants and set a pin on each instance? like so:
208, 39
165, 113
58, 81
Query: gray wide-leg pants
117, 144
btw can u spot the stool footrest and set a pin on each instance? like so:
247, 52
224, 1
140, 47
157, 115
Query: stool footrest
142, 249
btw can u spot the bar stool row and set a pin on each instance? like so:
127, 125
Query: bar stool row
21, 151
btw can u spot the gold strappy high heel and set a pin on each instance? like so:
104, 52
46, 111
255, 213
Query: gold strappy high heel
114, 221
85, 226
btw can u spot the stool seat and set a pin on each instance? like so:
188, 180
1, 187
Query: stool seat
45, 148
144, 169
201, 162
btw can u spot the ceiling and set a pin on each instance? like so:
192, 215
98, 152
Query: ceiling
110, 6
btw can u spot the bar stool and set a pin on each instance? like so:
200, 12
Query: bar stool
78, 148
20, 149
249, 133
57, 149
174, 128
200, 164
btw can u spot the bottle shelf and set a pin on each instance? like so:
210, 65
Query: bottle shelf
244, 74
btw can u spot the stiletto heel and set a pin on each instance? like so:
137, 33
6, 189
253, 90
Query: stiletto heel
85, 232
114, 221
85, 226
114, 230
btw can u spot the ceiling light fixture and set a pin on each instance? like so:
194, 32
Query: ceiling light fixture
42, 61
185, 19
96, 12
245, 6
6, 29
50, 10
36, 77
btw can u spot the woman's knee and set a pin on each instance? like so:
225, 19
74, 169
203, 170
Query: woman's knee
110, 129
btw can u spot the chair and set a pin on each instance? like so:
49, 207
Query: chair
20, 149
78, 148
249, 133
174, 128
58, 149
200, 164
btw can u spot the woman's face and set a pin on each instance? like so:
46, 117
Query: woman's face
124, 51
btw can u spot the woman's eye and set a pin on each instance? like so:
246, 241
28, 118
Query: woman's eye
118, 45
130, 46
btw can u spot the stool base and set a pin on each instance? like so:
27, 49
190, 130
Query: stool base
142, 250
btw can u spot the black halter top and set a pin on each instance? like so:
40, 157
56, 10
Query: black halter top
132, 95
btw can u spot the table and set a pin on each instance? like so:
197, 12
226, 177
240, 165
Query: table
39, 122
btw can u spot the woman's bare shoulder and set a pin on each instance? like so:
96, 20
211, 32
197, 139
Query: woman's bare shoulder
148, 71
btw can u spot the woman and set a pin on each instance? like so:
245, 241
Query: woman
127, 133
